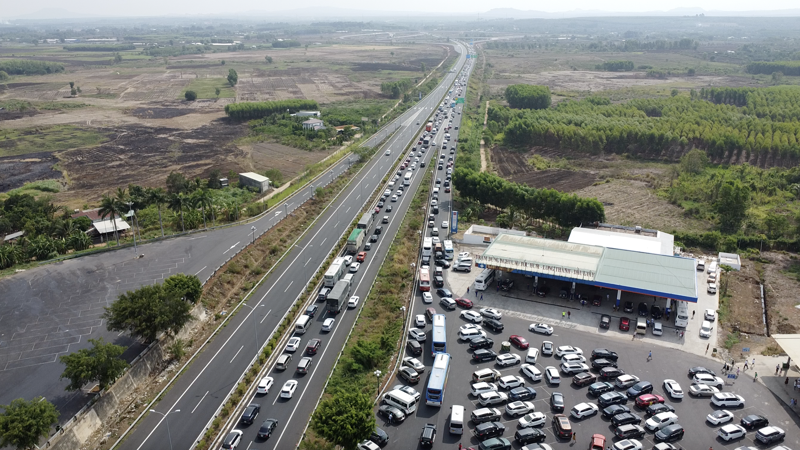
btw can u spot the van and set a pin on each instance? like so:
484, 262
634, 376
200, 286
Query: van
712, 268
391, 184
400, 400
304, 364
302, 324
456, 419
463, 267
469, 334
486, 375
701, 265
641, 326
323, 294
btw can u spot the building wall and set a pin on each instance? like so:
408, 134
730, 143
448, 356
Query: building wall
245, 181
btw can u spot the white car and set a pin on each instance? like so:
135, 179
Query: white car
348, 260
658, 329
417, 335
508, 359
731, 431
719, 417
288, 389
547, 348
570, 368
492, 398
552, 375
419, 320
625, 381
463, 255
661, 420
482, 387
427, 297
353, 302
354, 267
444, 224
469, 326
264, 385
727, 399
532, 355
568, 350
584, 410
328, 324
532, 372
435, 240
708, 380
710, 315
533, 419
511, 382
491, 313
627, 444
471, 316
515, 409
542, 328
673, 388
292, 345
414, 363
574, 358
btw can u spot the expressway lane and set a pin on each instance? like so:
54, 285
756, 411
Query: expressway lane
205, 384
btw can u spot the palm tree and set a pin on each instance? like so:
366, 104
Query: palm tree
66, 228
795, 188
177, 203
158, 197
109, 206
203, 199
8, 256
79, 241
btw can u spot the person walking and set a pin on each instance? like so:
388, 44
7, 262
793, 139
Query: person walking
481, 297
693, 311
467, 293
574, 437
753, 365
707, 345
777, 368
737, 371
786, 381
569, 314
563, 315
459, 446
650, 355
755, 376
745, 364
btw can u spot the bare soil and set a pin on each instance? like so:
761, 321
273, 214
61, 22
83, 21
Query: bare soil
15, 171
514, 166
782, 287
290, 161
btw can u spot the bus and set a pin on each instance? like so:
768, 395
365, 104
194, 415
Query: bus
407, 178
682, 314
334, 273
426, 142
448, 249
366, 221
427, 246
437, 381
424, 279
484, 280
438, 335
428, 126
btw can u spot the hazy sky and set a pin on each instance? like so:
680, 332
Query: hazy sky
11, 9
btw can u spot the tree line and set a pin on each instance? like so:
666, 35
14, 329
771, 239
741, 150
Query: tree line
791, 68
257, 110
286, 44
99, 47
395, 89
27, 67
567, 210
528, 96
615, 66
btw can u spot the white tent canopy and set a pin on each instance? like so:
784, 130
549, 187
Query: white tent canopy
790, 343
106, 226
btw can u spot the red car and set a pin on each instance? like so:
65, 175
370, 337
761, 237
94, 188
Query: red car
519, 341
360, 256
624, 324
464, 303
377, 210
447, 189
598, 442
645, 400
313, 346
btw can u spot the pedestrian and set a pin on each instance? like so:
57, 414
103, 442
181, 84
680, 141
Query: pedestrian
459, 446
754, 363
737, 371
391, 417
467, 293
745, 364
650, 355
574, 437
786, 381
755, 376
563, 315
708, 345
777, 368
481, 297
569, 314
693, 311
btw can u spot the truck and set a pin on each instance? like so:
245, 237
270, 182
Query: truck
334, 273
338, 296
355, 240
426, 141
427, 246
428, 126
366, 221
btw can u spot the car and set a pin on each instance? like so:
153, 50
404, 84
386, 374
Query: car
532, 372
232, 440
605, 321
362, 255
417, 335
414, 363
625, 419
311, 311
642, 309
511, 381
627, 307
481, 342
447, 303
505, 284
471, 316
656, 312
557, 401
598, 364
288, 389
710, 315
519, 342
527, 435
695, 370
264, 385
613, 410
731, 431
627, 444
719, 417
547, 348
541, 328
625, 381
612, 398
488, 430
624, 324
584, 410
442, 292
600, 388
727, 399
427, 297
483, 355
597, 442
533, 419
604, 353
573, 358
481, 387
669, 433
673, 388
348, 259
292, 345
493, 324
389, 209
419, 321
666, 446
444, 224
408, 390
568, 350
596, 299
491, 313
708, 380
391, 414
642, 387
661, 420
629, 431
414, 347
353, 302
645, 400
610, 373
469, 326
657, 329
304, 364
283, 362
266, 428
508, 359
492, 398
519, 408
769, 434
583, 379
657, 408
702, 390
464, 302
354, 267
250, 413
368, 445
408, 374
495, 444
313, 346
542, 291
570, 368
552, 375
754, 421
441, 263
372, 239
522, 393
327, 325
428, 435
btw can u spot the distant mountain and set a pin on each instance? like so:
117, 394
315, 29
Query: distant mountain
51, 14
511, 13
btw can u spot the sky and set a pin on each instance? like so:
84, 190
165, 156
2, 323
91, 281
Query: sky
10, 9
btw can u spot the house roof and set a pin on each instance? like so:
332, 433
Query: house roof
254, 176
12, 236
106, 226
92, 214
313, 121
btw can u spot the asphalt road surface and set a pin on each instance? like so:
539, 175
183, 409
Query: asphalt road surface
200, 391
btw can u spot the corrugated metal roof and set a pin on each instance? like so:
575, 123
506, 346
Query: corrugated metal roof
254, 176
106, 226
665, 276
623, 241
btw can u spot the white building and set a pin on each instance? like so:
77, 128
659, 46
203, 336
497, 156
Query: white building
255, 180
314, 124
316, 114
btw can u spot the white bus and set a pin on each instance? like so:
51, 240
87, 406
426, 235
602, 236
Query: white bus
334, 273
427, 246
407, 178
682, 314
484, 280
448, 249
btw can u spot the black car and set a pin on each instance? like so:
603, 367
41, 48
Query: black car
505, 284
391, 414
629, 431
657, 408
442, 263
378, 229
250, 413
373, 238
379, 437
493, 324
557, 401
605, 321
754, 422
613, 410
625, 419
483, 355
428, 435
489, 430
656, 312
527, 435
267, 427
414, 347
583, 379
604, 353
311, 311
542, 291
612, 398
602, 362
598, 389
699, 369
481, 342
642, 308
442, 292
642, 387
522, 393
627, 307
438, 281
610, 373
669, 433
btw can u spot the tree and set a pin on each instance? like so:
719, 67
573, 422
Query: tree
392, 53
117, 58
268, 59
177, 183
694, 162
78, 240
109, 206
213, 179
344, 419
217, 91
101, 363
148, 311
691, 72
3, 76
777, 225
23, 423
190, 95
203, 199
158, 197
233, 77
423, 68
731, 205
528, 96
187, 287
178, 203
9, 255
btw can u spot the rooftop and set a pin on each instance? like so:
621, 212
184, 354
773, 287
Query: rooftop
254, 176
625, 238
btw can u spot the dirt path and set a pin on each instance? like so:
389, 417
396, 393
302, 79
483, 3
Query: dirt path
483, 157
486, 115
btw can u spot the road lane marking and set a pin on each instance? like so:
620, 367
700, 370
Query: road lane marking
204, 268
309, 260
323, 241
237, 354
232, 247
290, 285
265, 316
198, 403
348, 210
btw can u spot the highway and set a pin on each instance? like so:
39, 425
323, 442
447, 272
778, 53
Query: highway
207, 382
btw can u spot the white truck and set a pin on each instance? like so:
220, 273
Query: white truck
334, 273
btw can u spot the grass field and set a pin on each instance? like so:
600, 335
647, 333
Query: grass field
14, 142
205, 88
